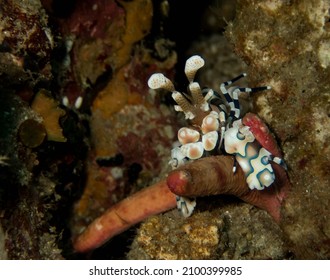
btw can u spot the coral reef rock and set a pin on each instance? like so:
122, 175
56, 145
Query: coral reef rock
226, 233
286, 45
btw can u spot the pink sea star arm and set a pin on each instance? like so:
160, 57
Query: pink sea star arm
147, 202
206, 176
214, 176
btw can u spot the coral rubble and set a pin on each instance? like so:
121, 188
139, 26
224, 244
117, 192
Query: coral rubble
226, 233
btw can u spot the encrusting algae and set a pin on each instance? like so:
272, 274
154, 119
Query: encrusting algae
49, 110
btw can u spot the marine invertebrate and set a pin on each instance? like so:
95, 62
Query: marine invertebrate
218, 178
214, 129
76, 105
216, 126
152, 200
185, 180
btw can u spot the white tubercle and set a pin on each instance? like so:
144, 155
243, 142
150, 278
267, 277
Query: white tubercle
158, 80
78, 102
187, 135
65, 101
210, 123
193, 150
192, 65
209, 140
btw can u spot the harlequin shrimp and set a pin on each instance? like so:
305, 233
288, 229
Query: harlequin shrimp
203, 164
217, 127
